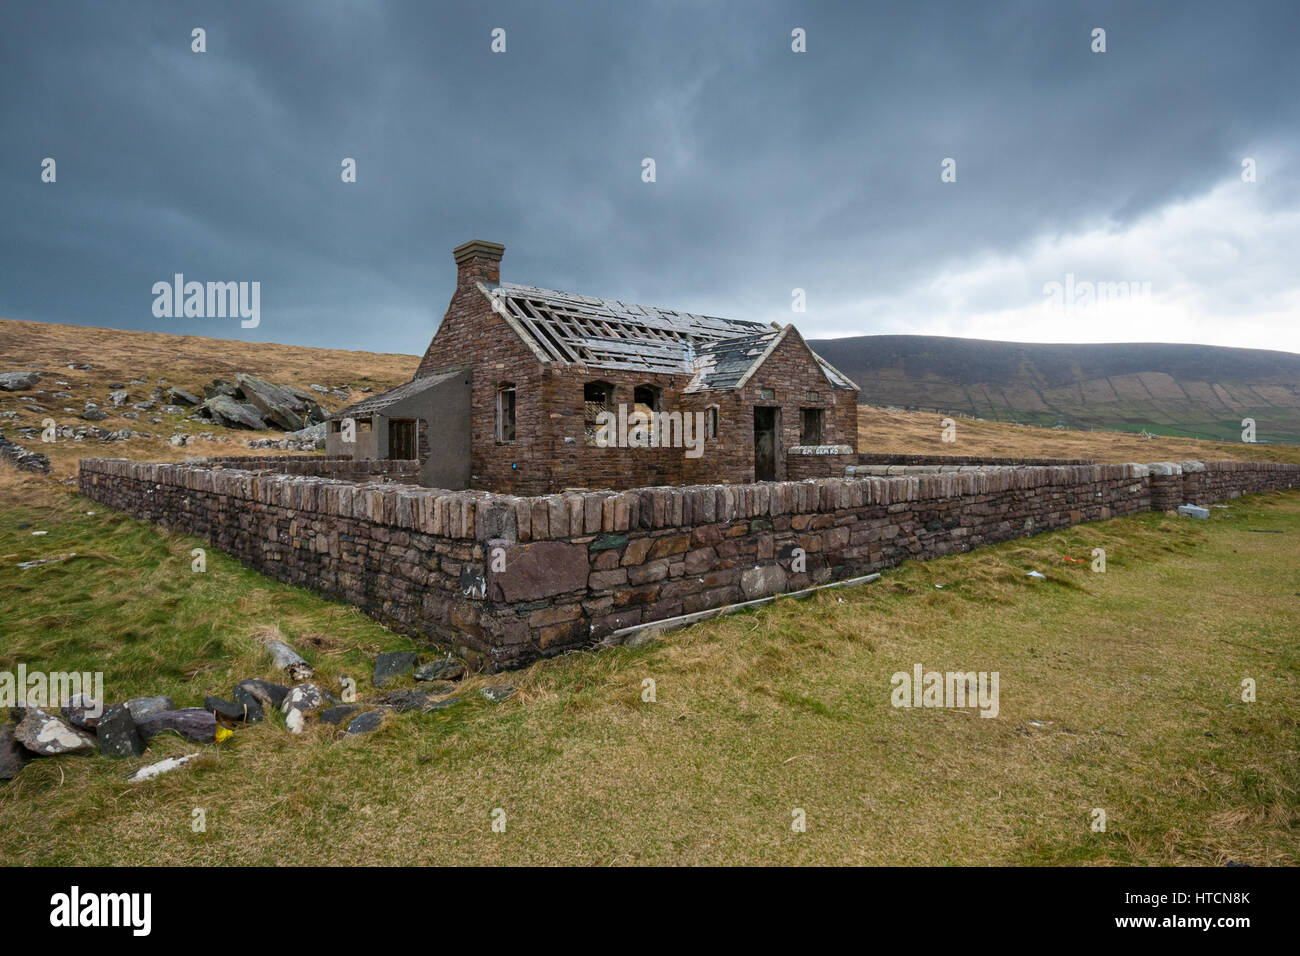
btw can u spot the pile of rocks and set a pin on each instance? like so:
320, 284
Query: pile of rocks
84, 432
83, 725
247, 402
311, 438
22, 458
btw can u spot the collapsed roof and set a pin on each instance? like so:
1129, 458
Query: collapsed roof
576, 329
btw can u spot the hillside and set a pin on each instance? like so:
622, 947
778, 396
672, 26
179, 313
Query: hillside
183, 361
897, 432
190, 361
1198, 391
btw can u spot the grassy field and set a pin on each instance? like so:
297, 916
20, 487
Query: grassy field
1117, 691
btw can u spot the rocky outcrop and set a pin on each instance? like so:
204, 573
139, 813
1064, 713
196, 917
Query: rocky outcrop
277, 405
225, 410
178, 396
254, 403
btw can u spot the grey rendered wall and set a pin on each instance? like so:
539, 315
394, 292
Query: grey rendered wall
446, 407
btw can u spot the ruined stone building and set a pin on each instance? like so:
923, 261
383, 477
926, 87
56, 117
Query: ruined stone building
531, 391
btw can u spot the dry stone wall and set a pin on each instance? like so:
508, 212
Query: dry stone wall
509, 579
405, 470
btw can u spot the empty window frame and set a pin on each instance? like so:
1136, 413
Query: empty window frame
647, 398
711, 423
505, 425
597, 397
810, 426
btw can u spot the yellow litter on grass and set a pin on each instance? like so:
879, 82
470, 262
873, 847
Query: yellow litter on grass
224, 733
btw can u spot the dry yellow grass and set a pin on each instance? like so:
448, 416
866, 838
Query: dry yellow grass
189, 360
186, 361
920, 433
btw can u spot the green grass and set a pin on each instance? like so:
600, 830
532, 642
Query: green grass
1130, 679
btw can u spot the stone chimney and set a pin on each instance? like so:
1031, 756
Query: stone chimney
478, 261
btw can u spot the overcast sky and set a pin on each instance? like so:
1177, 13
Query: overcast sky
775, 170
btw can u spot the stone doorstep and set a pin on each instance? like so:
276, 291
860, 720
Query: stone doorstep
623, 635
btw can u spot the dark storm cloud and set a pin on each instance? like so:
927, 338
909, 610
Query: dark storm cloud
775, 170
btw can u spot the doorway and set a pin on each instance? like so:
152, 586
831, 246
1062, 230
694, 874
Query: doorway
401, 439
767, 441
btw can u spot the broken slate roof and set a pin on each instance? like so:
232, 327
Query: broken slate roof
377, 403
728, 362
569, 328
604, 333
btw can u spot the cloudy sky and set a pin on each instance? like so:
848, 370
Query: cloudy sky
775, 170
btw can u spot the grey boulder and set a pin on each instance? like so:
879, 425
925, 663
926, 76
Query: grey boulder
117, 733
336, 715
270, 695
233, 710
178, 396
82, 711
365, 723
277, 406
403, 700
43, 733
13, 755
192, 723
444, 668
17, 381
142, 707
224, 410
393, 664
253, 707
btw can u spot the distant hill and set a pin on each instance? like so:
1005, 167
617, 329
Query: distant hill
1199, 391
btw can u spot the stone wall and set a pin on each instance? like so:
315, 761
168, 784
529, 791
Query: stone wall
874, 458
818, 461
344, 468
510, 579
